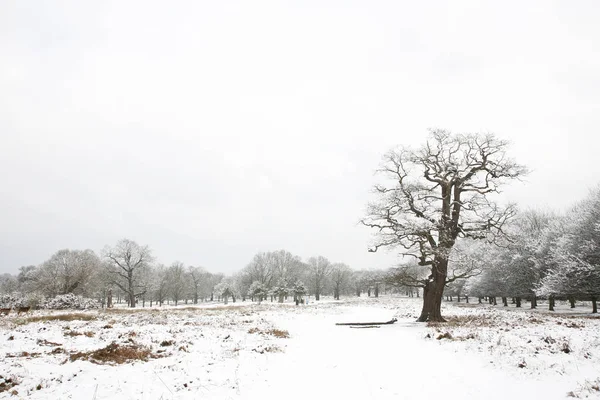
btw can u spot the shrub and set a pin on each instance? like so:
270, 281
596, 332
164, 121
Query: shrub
70, 301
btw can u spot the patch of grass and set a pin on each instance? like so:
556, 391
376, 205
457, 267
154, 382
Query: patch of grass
267, 349
77, 333
466, 320
279, 333
114, 354
57, 317
7, 383
445, 335
44, 342
23, 354
131, 310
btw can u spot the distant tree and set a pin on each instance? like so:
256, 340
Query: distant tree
281, 289
258, 290
126, 261
437, 194
319, 269
262, 269
8, 284
177, 281
576, 270
298, 289
67, 271
225, 289
27, 278
358, 281
160, 283
286, 266
340, 278
196, 275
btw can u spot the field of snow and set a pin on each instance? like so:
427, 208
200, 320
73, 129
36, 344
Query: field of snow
252, 351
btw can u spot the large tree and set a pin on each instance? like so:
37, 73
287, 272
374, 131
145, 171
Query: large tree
438, 193
126, 262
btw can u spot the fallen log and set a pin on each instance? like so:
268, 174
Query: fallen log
391, 321
366, 326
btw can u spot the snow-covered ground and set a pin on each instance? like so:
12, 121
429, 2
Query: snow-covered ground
241, 351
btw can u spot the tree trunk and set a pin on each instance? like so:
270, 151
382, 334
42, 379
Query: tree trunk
594, 306
317, 296
458, 298
572, 301
505, 302
480, 300
433, 292
518, 301
376, 292
131, 299
533, 302
494, 301
551, 303
467, 299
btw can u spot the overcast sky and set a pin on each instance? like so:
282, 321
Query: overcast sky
211, 130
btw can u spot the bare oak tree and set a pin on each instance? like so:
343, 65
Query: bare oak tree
126, 261
439, 193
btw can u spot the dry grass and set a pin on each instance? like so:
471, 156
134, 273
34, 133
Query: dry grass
7, 383
58, 317
279, 333
77, 333
44, 342
130, 310
267, 349
466, 320
114, 354
23, 354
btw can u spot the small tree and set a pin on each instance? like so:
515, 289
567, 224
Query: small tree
281, 290
226, 289
299, 290
258, 290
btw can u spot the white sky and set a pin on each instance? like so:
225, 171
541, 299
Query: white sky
214, 130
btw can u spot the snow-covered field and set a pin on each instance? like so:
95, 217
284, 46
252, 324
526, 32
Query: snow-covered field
252, 351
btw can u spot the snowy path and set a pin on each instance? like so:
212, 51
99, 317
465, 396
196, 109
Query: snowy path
393, 362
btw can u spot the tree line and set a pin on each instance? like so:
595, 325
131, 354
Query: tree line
128, 272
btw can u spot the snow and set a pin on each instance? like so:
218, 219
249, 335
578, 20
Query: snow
213, 355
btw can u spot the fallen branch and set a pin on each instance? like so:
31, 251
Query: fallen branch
366, 326
391, 321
